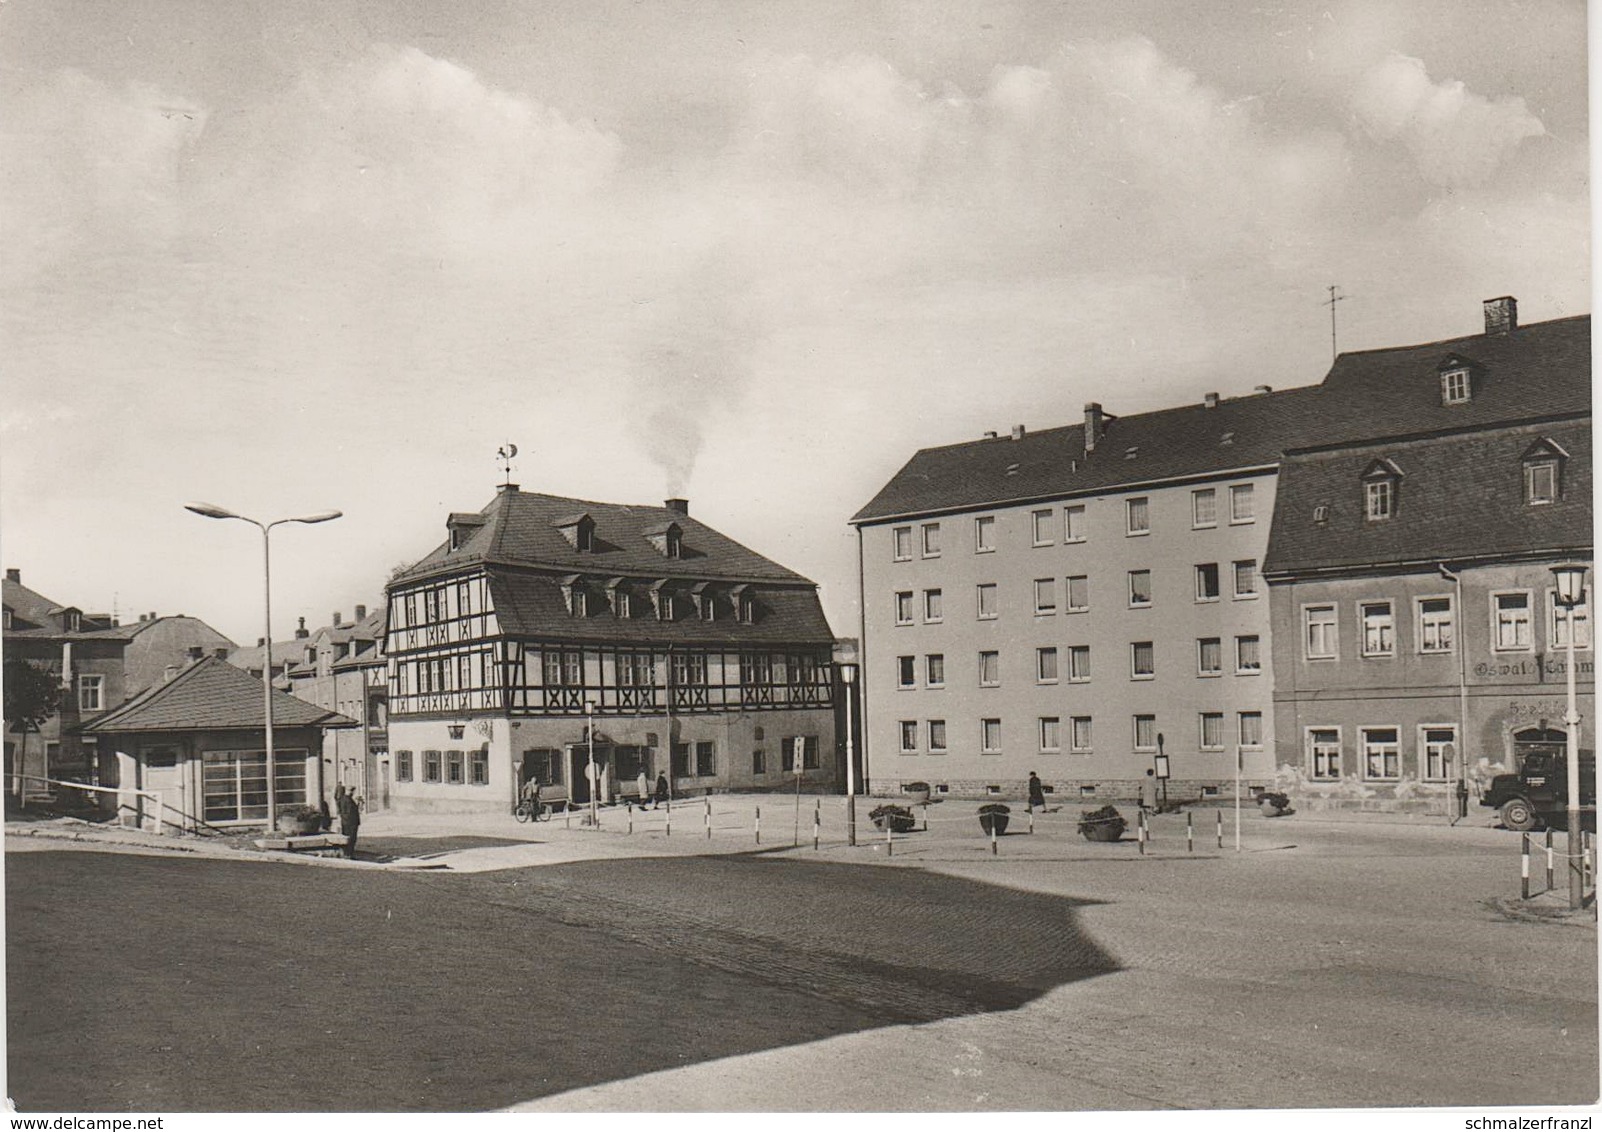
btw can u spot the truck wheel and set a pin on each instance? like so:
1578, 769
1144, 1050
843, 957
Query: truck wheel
1518, 815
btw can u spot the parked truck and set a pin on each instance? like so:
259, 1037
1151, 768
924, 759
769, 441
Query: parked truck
1538, 794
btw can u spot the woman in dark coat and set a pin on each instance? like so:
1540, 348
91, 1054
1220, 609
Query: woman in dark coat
661, 788
350, 818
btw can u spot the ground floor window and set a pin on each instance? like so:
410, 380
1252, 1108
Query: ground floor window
478, 768
759, 763
542, 764
706, 761
403, 766
681, 760
453, 767
1438, 745
234, 783
431, 766
1324, 752
1382, 753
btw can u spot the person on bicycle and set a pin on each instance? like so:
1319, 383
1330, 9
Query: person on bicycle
531, 795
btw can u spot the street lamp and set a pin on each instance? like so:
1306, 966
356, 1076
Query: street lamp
212, 511
1570, 580
848, 678
595, 779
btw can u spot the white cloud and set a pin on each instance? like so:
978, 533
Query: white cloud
1456, 136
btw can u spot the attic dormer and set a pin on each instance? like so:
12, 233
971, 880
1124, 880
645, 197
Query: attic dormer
1458, 379
579, 531
1543, 464
1382, 482
461, 527
668, 538
71, 619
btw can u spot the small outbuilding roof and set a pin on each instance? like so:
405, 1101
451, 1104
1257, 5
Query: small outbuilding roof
212, 695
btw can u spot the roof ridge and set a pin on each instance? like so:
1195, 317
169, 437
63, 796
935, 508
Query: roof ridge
1463, 337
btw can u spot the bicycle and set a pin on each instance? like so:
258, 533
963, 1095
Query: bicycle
531, 811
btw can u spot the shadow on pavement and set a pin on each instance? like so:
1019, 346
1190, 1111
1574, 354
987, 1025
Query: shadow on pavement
212, 985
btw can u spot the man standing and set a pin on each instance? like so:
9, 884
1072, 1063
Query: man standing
1148, 792
662, 792
350, 818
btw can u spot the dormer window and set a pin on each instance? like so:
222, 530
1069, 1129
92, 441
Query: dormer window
622, 601
705, 604
7, 618
1543, 472
668, 539
1457, 380
1380, 489
71, 620
744, 604
579, 531
574, 595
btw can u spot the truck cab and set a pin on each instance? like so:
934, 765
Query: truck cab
1538, 794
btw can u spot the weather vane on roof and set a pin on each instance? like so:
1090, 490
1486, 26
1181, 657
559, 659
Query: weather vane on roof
504, 454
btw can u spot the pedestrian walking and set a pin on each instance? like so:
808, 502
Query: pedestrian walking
644, 785
327, 820
1148, 792
350, 818
662, 792
1037, 793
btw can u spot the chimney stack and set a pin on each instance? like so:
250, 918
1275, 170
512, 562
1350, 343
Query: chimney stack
1210, 400
361, 613
336, 618
301, 633
13, 575
682, 506
1262, 389
220, 653
990, 434
1095, 425
1501, 316
1017, 432
196, 652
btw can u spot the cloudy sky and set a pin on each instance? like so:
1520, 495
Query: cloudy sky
333, 253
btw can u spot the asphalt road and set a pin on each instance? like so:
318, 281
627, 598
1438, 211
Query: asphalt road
1325, 967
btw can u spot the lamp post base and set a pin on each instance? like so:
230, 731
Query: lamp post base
851, 819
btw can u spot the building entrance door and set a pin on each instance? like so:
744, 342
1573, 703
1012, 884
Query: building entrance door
578, 759
1537, 740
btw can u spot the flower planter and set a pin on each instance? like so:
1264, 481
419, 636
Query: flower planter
994, 817
898, 818
1105, 824
915, 797
297, 822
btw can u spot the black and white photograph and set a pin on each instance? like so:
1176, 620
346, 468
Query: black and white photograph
890, 558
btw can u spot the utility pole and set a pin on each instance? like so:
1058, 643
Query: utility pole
1334, 350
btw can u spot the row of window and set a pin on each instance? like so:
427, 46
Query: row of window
454, 768
1049, 668
1512, 625
1542, 467
1379, 751
1047, 527
929, 737
1075, 593
657, 604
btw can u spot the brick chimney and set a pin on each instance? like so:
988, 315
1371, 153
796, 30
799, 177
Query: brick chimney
336, 619
1095, 425
1018, 431
14, 575
1501, 316
302, 632
361, 613
682, 506
1210, 400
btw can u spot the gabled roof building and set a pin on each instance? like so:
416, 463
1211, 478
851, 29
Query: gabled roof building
1088, 601
695, 656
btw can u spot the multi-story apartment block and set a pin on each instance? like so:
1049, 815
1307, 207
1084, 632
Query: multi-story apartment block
1417, 639
1075, 602
84, 651
1079, 600
693, 656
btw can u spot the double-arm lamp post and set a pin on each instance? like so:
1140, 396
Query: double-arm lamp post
848, 680
1570, 582
212, 511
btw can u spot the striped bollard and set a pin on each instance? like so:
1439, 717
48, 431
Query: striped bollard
707, 821
926, 817
668, 827
1190, 835
817, 822
759, 825
631, 821
889, 838
1220, 815
1549, 860
1031, 819
992, 837
1524, 866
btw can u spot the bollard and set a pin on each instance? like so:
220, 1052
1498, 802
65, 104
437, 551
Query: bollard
926, 817
1140, 832
817, 821
1524, 866
759, 825
707, 819
1549, 860
889, 838
667, 828
1190, 835
1031, 819
992, 838
567, 819
1220, 815
631, 821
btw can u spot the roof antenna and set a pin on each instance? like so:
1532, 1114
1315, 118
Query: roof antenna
1334, 350
504, 454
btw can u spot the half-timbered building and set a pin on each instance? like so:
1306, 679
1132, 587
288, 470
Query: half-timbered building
691, 654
